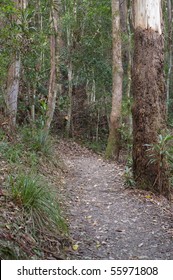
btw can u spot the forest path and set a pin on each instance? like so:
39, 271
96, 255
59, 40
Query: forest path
108, 221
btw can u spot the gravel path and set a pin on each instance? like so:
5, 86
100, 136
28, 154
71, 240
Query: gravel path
108, 221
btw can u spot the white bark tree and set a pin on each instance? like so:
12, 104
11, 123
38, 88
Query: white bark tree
113, 145
13, 89
14, 75
13, 82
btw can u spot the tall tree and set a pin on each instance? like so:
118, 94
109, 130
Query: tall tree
113, 145
170, 48
13, 76
55, 61
149, 93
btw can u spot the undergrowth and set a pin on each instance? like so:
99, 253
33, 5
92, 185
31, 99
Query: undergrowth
160, 153
34, 201
34, 139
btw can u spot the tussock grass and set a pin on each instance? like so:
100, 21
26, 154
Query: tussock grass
38, 201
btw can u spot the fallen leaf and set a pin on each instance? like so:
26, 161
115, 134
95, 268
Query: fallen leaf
98, 244
75, 247
148, 196
88, 217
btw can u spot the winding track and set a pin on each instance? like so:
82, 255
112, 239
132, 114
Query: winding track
108, 221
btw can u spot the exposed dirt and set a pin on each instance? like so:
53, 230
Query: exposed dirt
107, 220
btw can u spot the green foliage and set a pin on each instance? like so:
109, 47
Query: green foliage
35, 198
89, 24
34, 139
97, 147
2, 135
125, 129
162, 153
162, 150
128, 173
126, 137
18, 153
12, 153
128, 177
8, 252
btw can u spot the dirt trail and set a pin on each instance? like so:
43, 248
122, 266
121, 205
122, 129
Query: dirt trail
108, 221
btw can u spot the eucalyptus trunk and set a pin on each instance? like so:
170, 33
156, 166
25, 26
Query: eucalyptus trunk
114, 140
13, 76
149, 95
55, 61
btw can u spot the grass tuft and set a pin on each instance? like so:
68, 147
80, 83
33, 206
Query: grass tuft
36, 199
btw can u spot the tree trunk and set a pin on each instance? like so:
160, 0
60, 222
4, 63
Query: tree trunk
149, 93
52, 88
113, 145
169, 7
13, 80
70, 99
13, 90
70, 9
55, 60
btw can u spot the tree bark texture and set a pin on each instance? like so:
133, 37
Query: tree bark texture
149, 107
113, 145
13, 90
55, 60
170, 48
52, 88
13, 77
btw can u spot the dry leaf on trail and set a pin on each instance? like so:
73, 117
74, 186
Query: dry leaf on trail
75, 247
98, 245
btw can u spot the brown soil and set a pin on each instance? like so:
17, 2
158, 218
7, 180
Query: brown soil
107, 220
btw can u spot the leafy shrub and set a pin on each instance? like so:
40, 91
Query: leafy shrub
36, 199
162, 152
128, 174
128, 177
